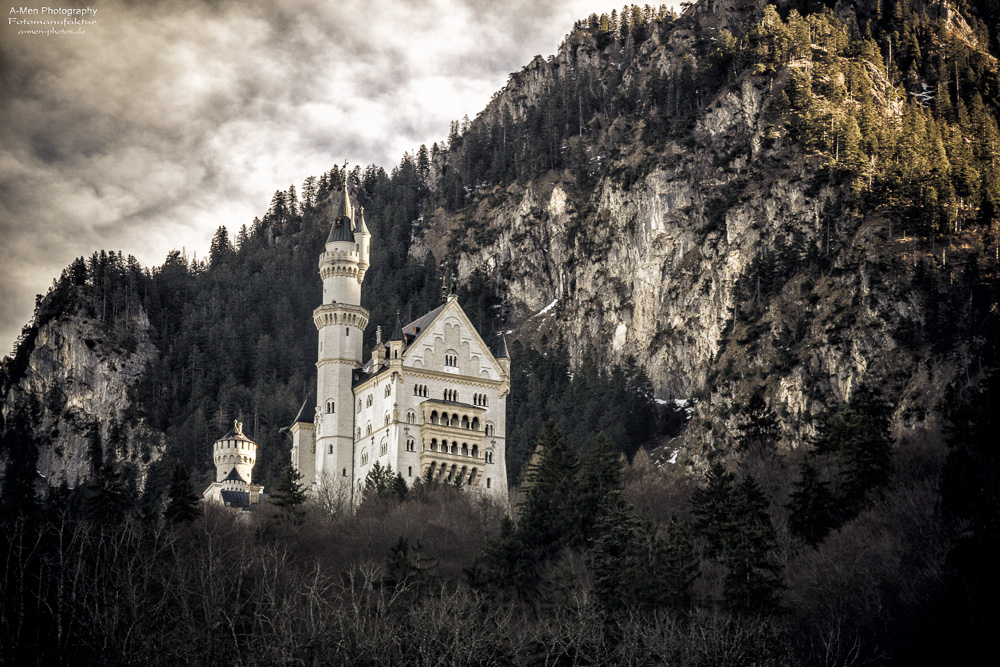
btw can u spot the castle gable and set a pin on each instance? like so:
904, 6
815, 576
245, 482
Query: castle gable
448, 342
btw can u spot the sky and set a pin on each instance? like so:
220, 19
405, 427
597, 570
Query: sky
164, 119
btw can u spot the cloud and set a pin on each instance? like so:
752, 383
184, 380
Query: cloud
169, 118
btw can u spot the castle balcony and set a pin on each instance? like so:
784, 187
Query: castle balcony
453, 441
340, 313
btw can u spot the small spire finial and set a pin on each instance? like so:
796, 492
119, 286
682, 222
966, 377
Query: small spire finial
378, 335
238, 427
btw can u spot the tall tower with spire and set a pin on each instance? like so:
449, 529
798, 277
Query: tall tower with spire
327, 447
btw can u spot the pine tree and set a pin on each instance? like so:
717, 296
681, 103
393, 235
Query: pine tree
183, 504
712, 506
811, 506
108, 499
288, 493
758, 426
600, 475
751, 583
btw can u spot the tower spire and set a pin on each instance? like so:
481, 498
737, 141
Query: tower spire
343, 220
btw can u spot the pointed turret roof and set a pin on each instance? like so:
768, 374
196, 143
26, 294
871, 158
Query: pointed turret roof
361, 228
307, 413
343, 220
234, 476
397, 330
502, 348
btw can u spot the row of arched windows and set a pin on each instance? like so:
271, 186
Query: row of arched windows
330, 407
451, 360
454, 421
480, 399
453, 472
451, 395
454, 448
420, 390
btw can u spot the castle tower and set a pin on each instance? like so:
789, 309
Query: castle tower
234, 451
341, 322
234, 455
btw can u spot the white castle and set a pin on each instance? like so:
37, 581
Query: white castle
234, 455
430, 402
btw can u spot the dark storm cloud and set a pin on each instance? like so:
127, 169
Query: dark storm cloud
169, 118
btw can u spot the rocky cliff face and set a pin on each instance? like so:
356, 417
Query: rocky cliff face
663, 259
75, 391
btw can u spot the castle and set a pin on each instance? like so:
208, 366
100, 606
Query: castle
430, 402
234, 455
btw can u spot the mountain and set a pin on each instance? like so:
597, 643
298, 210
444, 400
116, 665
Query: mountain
784, 200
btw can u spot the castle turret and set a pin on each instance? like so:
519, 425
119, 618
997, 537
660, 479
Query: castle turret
234, 451
341, 323
234, 455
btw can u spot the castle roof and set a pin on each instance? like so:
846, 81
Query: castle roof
413, 329
235, 433
502, 348
397, 330
343, 220
361, 228
308, 410
236, 498
234, 476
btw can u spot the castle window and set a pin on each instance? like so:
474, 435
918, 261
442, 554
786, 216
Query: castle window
383, 448
465, 449
487, 482
411, 418
368, 429
475, 451
368, 401
388, 390
409, 471
344, 473
359, 405
465, 422
386, 419
364, 457
347, 331
411, 446
472, 476
330, 407
331, 449
475, 423
359, 434
451, 359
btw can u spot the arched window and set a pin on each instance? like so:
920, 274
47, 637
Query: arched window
383, 448
368, 429
475, 423
465, 449
472, 476
364, 457
359, 434
434, 444
388, 390
386, 419
434, 417
465, 422
487, 482
411, 417
409, 471
368, 401
344, 473
475, 451
331, 449
451, 359
330, 407
359, 405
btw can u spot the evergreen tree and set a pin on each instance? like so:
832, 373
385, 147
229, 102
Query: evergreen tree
288, 493
758, 426
712, 507
752, 582
600, 475
183, 504
811, 506
108, 499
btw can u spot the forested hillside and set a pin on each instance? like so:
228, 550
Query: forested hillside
788, 212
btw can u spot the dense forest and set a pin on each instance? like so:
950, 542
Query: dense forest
851, 548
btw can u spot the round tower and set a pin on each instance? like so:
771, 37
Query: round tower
341, 323
234, 451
